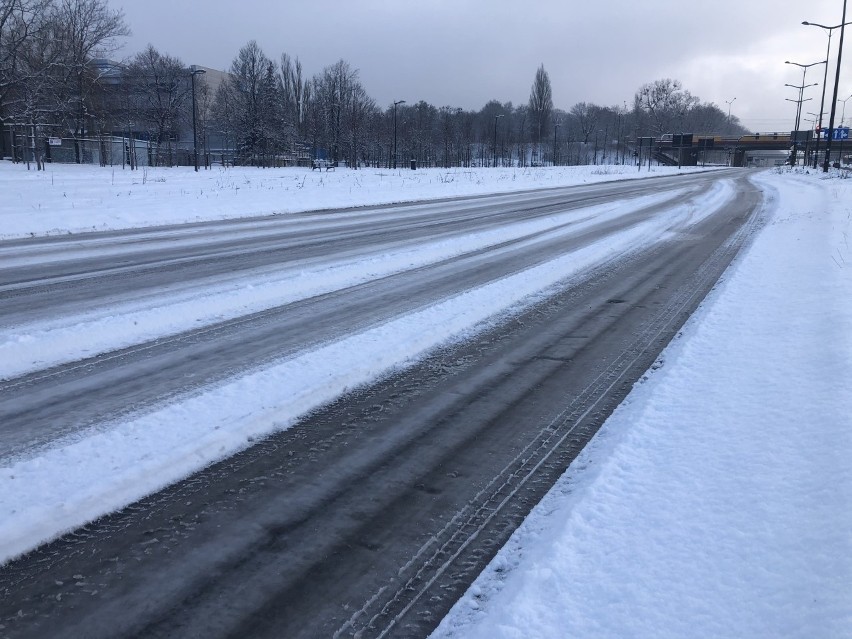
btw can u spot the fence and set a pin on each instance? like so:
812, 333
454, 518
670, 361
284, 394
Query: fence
23, 144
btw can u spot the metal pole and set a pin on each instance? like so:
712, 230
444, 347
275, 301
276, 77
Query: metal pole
799, 104
394, 130
829, 30
595, 159
834, 100
194, 129
822, 102
555, 129
194, 71
496, 117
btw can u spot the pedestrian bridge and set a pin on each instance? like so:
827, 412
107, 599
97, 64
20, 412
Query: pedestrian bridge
691, 149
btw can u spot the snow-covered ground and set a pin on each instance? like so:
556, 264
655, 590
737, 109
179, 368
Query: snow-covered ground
717, 500
714, 502
72, 199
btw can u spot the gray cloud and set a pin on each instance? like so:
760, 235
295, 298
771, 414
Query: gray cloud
466, 52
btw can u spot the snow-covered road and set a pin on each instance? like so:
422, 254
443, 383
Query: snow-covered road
713, 502
331, 314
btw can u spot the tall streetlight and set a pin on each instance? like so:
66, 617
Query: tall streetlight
842, 119
394, 130
843, 112
828, 30
496, 117
596, 147
194, 71
729, 103
555, 129
801, 88
842, 27
799, 103
805, 68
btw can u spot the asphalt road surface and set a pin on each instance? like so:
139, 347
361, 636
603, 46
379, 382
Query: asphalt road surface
374, 514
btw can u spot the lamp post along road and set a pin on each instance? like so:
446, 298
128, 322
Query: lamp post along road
496, 117
842, 27
805, 68
555, 129
828, 30
394, 129
842, 120
799, 102
843, 111
194, 71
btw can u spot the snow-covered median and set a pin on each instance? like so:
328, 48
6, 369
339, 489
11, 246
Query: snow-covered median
715, 502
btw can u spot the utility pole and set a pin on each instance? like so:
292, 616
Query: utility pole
194, 71
394, 130
496, 117
829, 31
555, 129
834, 99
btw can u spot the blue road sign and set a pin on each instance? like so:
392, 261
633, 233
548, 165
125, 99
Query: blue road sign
841, 133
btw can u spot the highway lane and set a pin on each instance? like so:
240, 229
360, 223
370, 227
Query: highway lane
40, 407
41, 277
373, 515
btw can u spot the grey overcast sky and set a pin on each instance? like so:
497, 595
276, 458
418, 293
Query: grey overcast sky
465, 52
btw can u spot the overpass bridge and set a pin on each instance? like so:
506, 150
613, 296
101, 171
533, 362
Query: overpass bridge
688, 149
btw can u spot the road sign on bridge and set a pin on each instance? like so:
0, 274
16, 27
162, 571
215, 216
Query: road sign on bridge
840, 133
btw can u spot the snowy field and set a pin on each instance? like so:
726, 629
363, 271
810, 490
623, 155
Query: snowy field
74, 199
714, 502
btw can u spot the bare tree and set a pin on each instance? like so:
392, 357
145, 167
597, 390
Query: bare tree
161, 86
666, 103
85, 27
295, 95
360, 108
19, 22
331, 90
541, 105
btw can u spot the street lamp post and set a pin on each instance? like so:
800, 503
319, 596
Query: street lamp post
828, 30
496, 117
805, 68
555, 129
394, 130
815, 121
843, 111
842, 27
595, 161
799, 103
842, 120
194, 71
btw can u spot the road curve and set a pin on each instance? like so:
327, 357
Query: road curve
373, 515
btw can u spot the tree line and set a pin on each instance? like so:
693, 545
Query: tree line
56, 80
